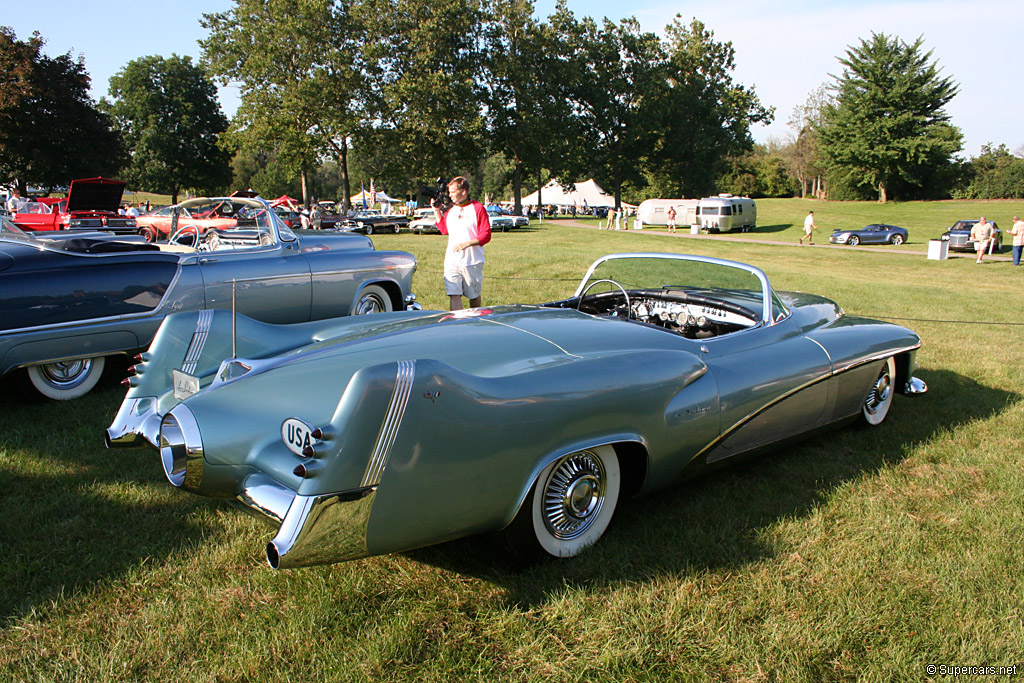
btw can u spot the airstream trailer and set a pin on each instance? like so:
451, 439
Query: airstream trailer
655, 211
726, 212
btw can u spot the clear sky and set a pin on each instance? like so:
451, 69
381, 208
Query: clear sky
784, 49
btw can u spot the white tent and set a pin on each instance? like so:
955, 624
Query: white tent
588, 193
381, 197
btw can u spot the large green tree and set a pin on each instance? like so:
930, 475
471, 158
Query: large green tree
298, 66
168, 113
425, 65
50, 129
705, 116
887, 126
612, 77
529, 121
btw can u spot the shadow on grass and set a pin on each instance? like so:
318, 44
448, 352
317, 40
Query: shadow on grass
715, 521
74, 513
781, 227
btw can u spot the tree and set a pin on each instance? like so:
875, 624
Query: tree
705, 116
803, 156
50, 130
529, 121
611, 80
887, 124
168, 113
995, 174
424, 69
298, 66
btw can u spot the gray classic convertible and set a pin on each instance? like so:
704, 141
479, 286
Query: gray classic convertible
399, 431
69, 300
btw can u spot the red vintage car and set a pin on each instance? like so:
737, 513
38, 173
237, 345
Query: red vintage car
91, 204
197, 218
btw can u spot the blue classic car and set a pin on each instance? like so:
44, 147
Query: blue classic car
394, 432
876, 233
69, 300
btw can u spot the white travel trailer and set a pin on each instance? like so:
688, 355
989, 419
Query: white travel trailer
655, 211
726, 212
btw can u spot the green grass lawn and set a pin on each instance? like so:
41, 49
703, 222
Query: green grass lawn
863, 554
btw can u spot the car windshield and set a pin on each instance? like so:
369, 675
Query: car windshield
10, 231
728, 281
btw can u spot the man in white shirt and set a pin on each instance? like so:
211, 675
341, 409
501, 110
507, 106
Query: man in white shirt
809, 227
468, 228
16, 203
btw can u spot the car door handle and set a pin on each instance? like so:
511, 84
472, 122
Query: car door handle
206, 259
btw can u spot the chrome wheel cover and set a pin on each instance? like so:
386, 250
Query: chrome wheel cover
369, 303
574, 494
67, 374
880, 393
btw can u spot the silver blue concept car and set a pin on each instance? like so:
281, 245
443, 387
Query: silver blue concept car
387, 433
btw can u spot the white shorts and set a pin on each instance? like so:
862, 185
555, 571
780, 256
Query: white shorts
467, 281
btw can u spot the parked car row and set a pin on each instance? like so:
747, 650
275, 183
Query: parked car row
69, 300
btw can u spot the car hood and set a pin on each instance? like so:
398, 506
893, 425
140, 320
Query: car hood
95, 194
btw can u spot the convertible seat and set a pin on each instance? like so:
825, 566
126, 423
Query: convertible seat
88, 245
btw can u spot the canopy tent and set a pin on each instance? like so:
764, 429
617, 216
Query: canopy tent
284, 200
357, 198
588, 193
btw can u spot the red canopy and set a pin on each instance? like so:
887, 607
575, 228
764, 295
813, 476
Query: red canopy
286, 201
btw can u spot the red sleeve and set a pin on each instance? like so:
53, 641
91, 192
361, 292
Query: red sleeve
483, 224
442, 224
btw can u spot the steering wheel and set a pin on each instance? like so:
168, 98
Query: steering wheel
187, 236
629, 310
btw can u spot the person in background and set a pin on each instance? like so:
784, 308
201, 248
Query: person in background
809, 228
981, 233
16, 203
468, 228
671, 215
1018, 239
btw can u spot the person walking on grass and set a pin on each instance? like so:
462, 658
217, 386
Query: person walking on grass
809, 227
1018, 239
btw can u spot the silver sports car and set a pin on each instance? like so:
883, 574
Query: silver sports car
392, 432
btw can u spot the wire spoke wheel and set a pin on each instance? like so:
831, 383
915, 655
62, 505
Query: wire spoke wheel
574, 499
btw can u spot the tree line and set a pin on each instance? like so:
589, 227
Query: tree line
335, 92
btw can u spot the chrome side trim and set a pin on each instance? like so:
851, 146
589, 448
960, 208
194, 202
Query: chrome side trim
195, 349
404, 377
778, 399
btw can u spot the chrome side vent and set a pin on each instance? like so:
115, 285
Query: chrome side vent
393, 420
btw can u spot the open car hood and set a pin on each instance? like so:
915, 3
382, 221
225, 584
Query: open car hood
95, 194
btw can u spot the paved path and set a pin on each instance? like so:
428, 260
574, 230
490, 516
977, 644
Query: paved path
685, 233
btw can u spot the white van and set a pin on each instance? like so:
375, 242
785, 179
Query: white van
726, 212
655, 211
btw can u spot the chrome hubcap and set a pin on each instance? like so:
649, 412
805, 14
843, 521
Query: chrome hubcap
369, 304
879, 393
573, 495
66, 374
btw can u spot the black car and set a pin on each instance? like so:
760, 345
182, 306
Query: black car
370, 222
959, 236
